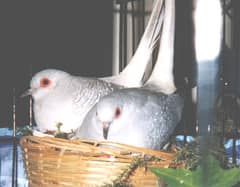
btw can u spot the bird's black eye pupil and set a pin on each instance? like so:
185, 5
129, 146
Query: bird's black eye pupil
45, 81
117, 112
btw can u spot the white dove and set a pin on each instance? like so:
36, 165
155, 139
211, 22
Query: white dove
61, 98
143, 117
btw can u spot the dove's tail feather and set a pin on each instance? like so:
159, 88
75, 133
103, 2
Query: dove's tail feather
162, 75
133, 73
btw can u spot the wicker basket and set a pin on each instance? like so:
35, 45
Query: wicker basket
59, 162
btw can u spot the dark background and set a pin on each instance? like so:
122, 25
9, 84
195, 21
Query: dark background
75, 36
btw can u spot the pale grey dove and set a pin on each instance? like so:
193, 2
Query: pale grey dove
143, 117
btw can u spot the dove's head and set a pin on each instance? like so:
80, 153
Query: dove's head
44, 81
108, 112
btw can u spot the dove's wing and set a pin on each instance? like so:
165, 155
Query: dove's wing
86, 92
165, 115
148, 118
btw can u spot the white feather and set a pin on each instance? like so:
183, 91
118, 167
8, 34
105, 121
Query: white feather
162, 76
133, 73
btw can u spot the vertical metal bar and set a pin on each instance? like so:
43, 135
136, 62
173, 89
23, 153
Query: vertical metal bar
186, 120
207, 66
120, 36
236, 47
14, 113
143, 15
235, 135
236, 42
133, 27
16, 163
234, 151
139, 21
222, 91
208, 36
116, 35
141, 18
30, 102
14, 180
30, 112
125, 34
223, 118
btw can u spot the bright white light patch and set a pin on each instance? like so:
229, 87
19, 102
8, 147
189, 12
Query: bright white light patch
208, 29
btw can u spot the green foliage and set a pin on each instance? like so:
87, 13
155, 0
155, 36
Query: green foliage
59, 133
209, 174
122, 179
189, 154
24, 131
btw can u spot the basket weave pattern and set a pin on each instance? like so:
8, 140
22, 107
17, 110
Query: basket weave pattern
59, 162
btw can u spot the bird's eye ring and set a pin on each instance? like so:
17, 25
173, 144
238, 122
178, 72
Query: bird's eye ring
117, 112
44, 82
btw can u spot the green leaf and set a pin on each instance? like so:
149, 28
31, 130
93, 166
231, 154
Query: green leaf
24, 131
174, 177
209, 174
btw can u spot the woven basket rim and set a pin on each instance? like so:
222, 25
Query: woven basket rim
62, 162
89, 146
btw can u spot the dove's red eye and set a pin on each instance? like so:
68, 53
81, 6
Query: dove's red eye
44, 82
117, 112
